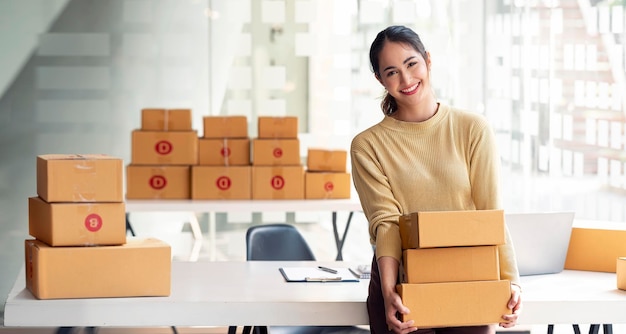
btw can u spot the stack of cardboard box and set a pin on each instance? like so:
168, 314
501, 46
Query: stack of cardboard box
169, 160
223, 170
450, 271
162, 153
80, 248
326, 175
277, 172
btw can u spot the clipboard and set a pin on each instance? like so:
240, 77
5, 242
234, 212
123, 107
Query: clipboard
314, 274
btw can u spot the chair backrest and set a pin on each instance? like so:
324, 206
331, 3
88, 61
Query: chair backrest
276, 242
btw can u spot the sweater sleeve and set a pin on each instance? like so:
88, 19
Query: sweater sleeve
379, 205
485, 180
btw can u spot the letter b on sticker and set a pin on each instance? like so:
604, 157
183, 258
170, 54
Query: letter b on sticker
93, 222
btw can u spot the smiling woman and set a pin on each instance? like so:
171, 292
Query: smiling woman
424, 155
547, 75
405, 65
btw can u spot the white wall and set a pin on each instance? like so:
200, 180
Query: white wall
21, 22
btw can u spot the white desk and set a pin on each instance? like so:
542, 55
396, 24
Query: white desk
205, 294
212, 206
254, 293
573, 297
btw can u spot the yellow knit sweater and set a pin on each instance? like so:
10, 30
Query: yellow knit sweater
448, 162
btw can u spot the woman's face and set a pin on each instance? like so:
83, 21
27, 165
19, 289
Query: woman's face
404, 73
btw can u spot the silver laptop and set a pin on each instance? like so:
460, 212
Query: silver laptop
540, 240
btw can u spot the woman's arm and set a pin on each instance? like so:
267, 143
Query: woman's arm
388, 268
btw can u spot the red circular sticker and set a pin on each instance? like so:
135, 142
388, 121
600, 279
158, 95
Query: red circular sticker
278, 152
278, 182
158, 182
163, 147
93, 222
225, 151
329, 186
223, 183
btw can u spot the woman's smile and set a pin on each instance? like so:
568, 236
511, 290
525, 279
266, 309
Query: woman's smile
411, 90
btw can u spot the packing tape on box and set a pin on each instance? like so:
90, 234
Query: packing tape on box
225, 151
166, 115
85, 192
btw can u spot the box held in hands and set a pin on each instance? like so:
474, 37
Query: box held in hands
452, 228
456, 303
451, 264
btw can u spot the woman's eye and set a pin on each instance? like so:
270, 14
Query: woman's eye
390, 73
413, 63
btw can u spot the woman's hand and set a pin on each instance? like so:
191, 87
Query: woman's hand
515, 304
388, 269
393, 306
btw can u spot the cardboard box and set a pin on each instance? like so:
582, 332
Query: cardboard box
621, 273
595, 249
452, 228
275, 152
456, 303
164, 148
326, 160
158, 182
220, 182
141, 267
224, 152
451, 264
77, 224
277, 127
154, 119
225, 127
79, 178
320, 185
278, 182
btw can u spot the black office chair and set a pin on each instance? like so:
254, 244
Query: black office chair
283, 242
277, 242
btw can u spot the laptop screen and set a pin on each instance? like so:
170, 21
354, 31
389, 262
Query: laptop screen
540, 240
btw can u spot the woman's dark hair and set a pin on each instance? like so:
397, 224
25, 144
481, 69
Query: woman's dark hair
399, 34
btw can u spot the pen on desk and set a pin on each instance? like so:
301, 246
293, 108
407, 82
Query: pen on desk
328, 270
